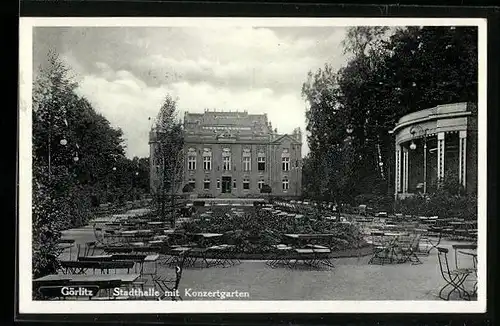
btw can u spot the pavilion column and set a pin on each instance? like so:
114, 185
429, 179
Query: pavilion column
397, 178
440, 156
462, 157
405, 170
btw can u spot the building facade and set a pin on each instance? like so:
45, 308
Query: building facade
433, 145
234, 154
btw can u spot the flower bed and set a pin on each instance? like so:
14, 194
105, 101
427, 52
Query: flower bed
256, 230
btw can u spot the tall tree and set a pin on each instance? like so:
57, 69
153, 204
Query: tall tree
390, 73
74, 150
53, 97
326, 131
169, 155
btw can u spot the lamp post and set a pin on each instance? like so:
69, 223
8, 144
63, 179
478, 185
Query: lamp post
296, 168
413, 146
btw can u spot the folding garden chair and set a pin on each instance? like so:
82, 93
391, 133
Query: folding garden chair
407, 247
169, 287
454, 278
383, 249
429, 242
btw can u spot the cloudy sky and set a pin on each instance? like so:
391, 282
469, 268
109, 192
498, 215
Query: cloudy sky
125, 72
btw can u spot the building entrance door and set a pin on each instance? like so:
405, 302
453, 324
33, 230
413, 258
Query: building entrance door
226, 185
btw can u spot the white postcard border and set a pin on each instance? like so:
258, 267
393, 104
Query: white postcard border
26, 303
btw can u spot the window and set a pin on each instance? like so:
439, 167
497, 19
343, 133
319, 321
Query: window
206, 184
191, 162
260, 184
246, 184
207, 163
286, 163
285, 184
261, 162
218, 183
226, 160
192, 183
234, 184
246, 163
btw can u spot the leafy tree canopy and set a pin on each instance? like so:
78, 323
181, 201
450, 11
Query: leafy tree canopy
390, 73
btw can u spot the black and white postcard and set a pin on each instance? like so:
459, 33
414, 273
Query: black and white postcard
202, 165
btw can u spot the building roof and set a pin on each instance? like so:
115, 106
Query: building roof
234, 121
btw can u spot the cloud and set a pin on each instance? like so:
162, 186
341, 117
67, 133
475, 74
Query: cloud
126, 72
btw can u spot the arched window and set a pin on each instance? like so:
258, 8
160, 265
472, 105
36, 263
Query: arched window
191, 159
226, 159
207, 159
285, 160
261, 161
285, 183
247, 160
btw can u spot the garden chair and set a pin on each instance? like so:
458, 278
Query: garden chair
426, 244
407, 247
169, 287
383, 249
454, 278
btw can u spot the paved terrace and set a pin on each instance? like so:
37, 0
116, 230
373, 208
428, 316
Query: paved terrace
351, 279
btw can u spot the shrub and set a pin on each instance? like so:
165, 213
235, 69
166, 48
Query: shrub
377, 202
58, 204
257, 230
449, 201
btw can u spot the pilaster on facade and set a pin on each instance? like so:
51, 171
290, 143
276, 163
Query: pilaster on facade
440, 155
397, 178
405, 170
462, 161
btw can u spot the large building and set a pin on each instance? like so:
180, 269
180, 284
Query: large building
435, 144
234, 154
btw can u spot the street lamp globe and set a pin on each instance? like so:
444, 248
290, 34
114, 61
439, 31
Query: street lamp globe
114, 168
63, 142
137, 173
75, 158
413, 146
